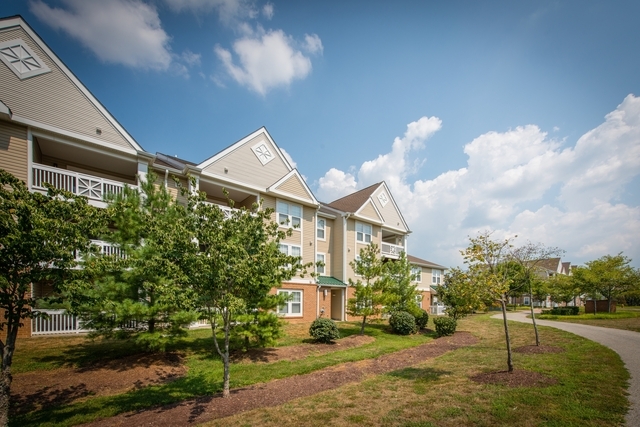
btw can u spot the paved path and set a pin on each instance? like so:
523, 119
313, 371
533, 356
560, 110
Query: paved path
625, 343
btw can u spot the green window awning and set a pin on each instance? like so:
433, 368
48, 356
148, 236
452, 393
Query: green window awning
331, 281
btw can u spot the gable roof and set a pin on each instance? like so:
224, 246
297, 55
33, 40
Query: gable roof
550, 264
424, 263
354, 201
17, 21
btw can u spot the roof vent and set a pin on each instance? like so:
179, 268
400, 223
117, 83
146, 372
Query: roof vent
21, 59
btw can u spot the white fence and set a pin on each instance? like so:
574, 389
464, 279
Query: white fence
391, 250
62, 322
93, 187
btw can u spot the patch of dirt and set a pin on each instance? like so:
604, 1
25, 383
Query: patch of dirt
538, 349
296, 352
274, 393
35, 390
517, 378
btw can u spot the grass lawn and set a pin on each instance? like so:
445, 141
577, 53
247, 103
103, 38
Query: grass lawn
590, 389
625, 318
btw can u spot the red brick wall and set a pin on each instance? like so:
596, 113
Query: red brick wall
309, 302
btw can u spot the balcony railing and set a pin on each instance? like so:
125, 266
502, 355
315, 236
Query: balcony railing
93, 187
106, 248
390, 250
225, 209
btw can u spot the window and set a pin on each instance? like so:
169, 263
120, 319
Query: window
320, 257
416, 272
293, 307
288, 214
363, 232
435, 277
526, 300
291, 250
320, 228
419, 300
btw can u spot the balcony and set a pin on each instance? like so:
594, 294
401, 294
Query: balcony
226, 210
391, 251
92, 187
105, 248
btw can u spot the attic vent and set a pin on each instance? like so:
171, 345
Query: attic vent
21, 59
383, 199
262, 152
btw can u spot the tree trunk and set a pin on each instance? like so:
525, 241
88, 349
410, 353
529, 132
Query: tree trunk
364, 320
506, 334
533, 317
5, 389
5, 374
225, 359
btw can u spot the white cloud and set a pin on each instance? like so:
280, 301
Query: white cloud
229, 11
191, 58
264, 60
127, 32
289, 158
267, 11
335, 184
571, 194
313, 44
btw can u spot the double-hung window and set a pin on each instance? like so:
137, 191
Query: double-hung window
291, 250
363, 232
419, 300
293, 307
289, 215
416, 273
320, 258
320, 228
435, 277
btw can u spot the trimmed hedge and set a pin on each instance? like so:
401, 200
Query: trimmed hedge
445, 325
563, 311
324, 330
422, 319
403, 323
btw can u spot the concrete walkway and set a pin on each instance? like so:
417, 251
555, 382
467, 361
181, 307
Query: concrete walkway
625, 343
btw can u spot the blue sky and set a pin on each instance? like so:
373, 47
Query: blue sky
519, 117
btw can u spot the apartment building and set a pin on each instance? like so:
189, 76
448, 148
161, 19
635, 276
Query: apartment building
53, 130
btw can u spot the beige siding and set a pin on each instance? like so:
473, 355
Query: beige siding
88, 170
294, 187
308, 235
172, 187
13, 150
326, 247
369, 212
391, 215
242, 165
52, 98
337, 239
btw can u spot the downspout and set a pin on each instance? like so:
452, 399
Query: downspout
345, 217
166, 178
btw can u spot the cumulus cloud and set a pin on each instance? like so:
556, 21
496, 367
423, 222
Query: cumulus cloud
127, 32
267, 10
264, 60
520, 181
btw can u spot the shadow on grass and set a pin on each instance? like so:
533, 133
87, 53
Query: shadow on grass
419, 374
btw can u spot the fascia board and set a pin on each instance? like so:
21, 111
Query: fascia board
120, 152
294, 172
19, 22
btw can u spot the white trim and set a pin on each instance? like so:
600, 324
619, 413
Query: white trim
324, 229
73, 135
326, 215
324, 260
29, 158
380, 219
290, 223
19, 22
363, 242
294, 172
251, 192
282, 195
239, 144
44, 69
394, 205
416, 267
289, 303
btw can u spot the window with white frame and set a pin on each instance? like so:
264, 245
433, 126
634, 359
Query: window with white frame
526, 300
416, 273
363, 232
289, 215
320, 229
320, 258
419, 300
293, 306
436, 277
291, 250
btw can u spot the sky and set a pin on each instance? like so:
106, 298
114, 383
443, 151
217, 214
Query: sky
520, 118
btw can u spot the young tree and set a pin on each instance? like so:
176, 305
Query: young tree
562, 288
401, 293
611, 276
140, 291
39, 238
369, 296
529, 258
238, 263
459, 294
483, 256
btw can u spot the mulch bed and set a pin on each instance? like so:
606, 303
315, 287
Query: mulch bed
517, 378
538, 349
277, 392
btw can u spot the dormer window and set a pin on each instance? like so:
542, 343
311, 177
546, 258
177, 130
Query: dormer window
21, 59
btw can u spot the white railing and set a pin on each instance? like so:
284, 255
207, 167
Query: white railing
225, 209
106, 248
57, 322
93, 187
391, 250
437, 310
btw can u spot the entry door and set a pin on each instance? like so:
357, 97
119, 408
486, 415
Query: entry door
336, 304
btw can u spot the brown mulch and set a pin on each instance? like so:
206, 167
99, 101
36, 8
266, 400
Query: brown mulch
517, 378
539, 349
277, 392
35, 390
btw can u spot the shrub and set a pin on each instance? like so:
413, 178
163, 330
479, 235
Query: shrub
445, 326
565, 311
403, 323
324, 330
422, 319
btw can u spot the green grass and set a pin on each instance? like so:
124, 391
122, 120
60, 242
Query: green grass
204, 375
590, 389
627, 318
